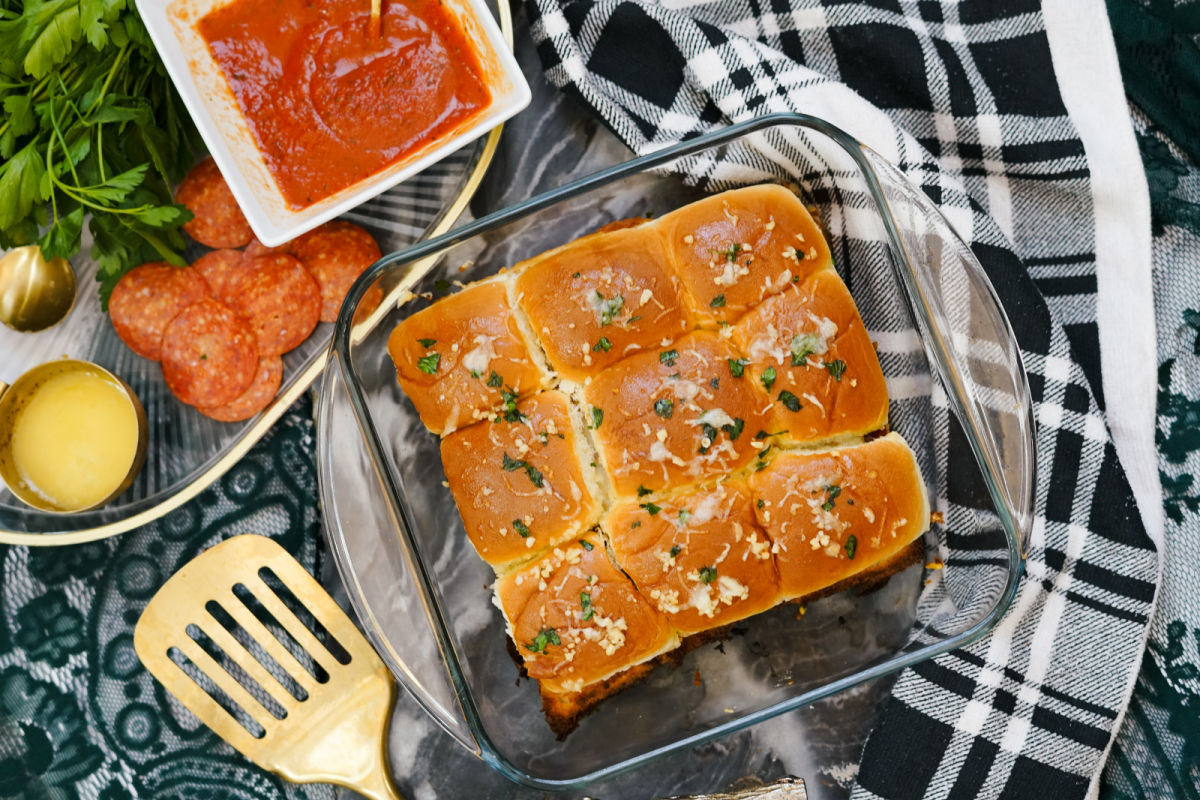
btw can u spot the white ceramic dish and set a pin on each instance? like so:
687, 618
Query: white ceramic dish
198, 78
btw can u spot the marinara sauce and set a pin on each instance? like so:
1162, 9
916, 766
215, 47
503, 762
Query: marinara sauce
327, 104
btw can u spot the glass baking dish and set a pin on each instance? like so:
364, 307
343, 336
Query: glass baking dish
959, 395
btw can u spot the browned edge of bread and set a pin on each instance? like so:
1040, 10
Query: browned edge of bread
564, 711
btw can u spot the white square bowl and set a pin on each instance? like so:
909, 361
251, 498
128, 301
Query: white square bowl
172, 25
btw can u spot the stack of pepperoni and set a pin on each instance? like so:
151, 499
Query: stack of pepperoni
220, 326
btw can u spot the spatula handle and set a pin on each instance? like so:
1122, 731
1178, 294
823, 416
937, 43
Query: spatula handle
378, 786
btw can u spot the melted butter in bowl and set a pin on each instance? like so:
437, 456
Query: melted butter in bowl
73, 436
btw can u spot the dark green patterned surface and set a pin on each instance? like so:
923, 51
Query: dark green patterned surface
79, 716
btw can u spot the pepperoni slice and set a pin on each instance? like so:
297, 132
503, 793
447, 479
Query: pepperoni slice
256, 398
217, 220
145, 301
279, 299
209, 356
221, 269
335, 253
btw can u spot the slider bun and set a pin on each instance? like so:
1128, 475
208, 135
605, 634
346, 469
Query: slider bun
838, 512
652, 395
839, 388
545, 597
474, 328
783, 242
693, 536
493, 500
608, 286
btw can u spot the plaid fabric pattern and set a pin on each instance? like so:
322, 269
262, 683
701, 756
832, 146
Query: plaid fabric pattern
962, 97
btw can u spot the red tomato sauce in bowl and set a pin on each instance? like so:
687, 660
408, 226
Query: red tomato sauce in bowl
329, 105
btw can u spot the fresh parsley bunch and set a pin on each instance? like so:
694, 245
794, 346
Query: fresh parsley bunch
92, 127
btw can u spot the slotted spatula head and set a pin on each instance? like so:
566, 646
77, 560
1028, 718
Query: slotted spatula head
251, 644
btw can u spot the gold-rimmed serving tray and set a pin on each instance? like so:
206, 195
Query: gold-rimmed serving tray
187, 451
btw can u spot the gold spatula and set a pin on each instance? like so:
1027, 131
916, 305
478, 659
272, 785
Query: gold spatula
253, 646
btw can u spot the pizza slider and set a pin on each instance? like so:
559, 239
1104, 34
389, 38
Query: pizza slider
835, 513
808, 349
599, 299
699, 556
521, 482
463, 358
734, 249
676, 415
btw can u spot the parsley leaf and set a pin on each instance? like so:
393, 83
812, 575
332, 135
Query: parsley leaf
494, 380
851, 546
546, 636
836, 368
609, 308
509, 399
521, 528
668, 357
675, 550
708, 574
790, 401
717, 302
427, 343
803, 345
737, 366
602, 344
597, 417
585, 603
651, 508
735, 429
429, 364
768, 378
665, 408
832, 493
511, 464
642, 491
585, 544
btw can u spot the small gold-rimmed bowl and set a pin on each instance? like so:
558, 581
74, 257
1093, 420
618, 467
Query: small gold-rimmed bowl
72, 436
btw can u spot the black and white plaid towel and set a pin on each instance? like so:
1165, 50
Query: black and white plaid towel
1009, 114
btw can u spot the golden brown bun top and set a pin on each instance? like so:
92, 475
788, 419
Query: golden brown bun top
834, 513
519, 481
736, 248
600, 298
821, 355
676, 415
472, 352
699, 556
577, 619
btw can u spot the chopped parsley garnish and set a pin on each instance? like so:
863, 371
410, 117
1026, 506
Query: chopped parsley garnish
476, 374
602, 344
851, 546
760, 503
668, 357
509, 398
735, 429
633, 319
597, 417
429, 364
768, 378
765, 435
642, 491
546, 636
664, 408
836, 368
717, 302
803, 345
761, 463
651, 508
675, 550
732, 253
715, 383
737, 366
585, 544
637, 523
521, 528
708, 433
708, 574
576, 275
427, 343
790, 401
585, 602
683, 516
609, 308
511, 464
494, 380
832, 493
